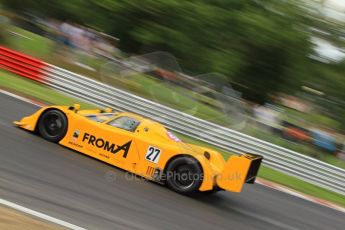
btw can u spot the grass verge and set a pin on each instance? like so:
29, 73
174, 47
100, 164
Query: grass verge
35, 90
31, 89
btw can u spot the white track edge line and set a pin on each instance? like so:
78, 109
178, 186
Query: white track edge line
27, 100
39, 215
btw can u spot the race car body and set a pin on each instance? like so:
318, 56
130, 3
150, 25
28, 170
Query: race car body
143, 147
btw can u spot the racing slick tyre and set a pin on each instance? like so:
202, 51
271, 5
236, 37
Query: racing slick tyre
52, 125
184, 175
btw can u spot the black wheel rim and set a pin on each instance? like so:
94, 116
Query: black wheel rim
184, 176
53, 124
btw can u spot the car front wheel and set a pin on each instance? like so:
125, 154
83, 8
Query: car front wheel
52, 125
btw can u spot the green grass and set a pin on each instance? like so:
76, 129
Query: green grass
173, 96
28, 42
301, 186
41, 47
314, 117
32, 89
29, 88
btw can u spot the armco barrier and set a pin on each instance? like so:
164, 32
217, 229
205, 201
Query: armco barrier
285, 160
21, 64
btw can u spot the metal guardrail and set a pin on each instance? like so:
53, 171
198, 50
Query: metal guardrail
285, 160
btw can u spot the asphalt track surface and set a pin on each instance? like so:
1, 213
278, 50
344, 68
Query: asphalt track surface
75, 188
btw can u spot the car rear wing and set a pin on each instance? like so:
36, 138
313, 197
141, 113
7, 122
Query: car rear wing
254, 167
239, 170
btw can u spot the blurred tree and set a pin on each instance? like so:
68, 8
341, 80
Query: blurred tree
261, 46
258, 46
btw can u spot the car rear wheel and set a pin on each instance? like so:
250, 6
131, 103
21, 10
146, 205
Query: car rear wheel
52, 125
184, 175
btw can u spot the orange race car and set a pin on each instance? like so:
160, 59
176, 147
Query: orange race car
143, 147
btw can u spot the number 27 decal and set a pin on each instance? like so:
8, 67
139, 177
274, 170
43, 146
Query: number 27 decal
153, 154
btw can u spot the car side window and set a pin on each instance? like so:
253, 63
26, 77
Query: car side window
126, 123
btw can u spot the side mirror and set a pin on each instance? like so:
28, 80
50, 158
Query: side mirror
107, 110
76, 107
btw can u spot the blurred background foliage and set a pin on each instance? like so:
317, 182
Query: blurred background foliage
263, 47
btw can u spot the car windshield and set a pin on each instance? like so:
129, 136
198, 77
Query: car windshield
124, 122
100, 117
